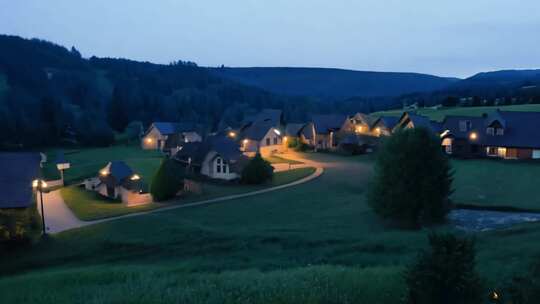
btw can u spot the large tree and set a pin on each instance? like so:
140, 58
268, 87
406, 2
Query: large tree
413, 179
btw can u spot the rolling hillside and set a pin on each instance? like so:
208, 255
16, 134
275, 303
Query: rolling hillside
334, 83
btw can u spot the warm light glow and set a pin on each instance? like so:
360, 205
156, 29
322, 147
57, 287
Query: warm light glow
378, 130
149, 140
359, 129
473, 136
285, 138
104, 172
245, 141
443, 134
277, 132
39, 183
135, 177
494, 296
232, 134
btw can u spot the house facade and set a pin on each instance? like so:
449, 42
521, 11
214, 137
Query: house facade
263, 138
325, 129
383, 126
118, 181
168, 135
217, 157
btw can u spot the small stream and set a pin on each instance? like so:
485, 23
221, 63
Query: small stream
481, 220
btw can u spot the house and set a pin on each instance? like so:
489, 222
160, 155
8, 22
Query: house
273, 117
324, 128
360, 123
410, 120
384, 125
118, 181
217, 157
511, 135
460, 136
167, 135
18, 172
293, 132
261, 137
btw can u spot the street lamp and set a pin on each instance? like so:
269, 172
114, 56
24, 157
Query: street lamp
39, 185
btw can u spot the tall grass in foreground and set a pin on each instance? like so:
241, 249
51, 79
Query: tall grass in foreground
317, 284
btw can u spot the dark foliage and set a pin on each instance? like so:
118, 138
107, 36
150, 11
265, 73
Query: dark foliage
445, 274
18, 227
169, 179
257, 171
412, 181
521, 289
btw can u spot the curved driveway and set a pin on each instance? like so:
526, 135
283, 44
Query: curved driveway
58, 217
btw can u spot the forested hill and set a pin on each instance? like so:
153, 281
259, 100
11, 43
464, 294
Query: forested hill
334, 83
51, 95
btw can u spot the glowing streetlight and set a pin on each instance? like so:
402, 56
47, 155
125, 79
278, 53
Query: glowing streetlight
39, 185
232, 134
473, 136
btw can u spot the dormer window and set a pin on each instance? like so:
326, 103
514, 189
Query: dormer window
490, 131
500, 131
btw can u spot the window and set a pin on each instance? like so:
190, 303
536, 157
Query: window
491, 151
268, 141
500, 131
218, 165
222, 166
465, 125
490, 131
275, 140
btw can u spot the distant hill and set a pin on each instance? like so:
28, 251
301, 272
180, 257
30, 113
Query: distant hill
334, 83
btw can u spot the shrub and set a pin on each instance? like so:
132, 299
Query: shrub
445, 274
18, 227
522, 289
257, 171
168, 180
412, 181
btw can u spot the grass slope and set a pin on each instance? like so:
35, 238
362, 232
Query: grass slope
318, 242
87, 162
439, 114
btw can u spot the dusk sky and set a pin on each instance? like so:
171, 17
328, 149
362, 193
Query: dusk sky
448, 38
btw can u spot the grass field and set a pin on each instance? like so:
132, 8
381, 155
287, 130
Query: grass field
87, 162
318, 242
439, 114
88, 205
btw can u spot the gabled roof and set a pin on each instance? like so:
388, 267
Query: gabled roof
256, 131
117, 169
452, 124
225, 147
168, 128
387, 121
18, 170
324, 123
266, 116
418, 121
522, 130
293, 129
365, 118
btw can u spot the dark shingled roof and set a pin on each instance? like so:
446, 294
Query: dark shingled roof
225, 147
522, 130
420, 121
388, 121
293, 129
256, 131
168, 128
269, 116
120, 174
18, 170
328, 122
451, 123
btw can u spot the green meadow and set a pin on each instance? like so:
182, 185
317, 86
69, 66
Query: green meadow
317, 242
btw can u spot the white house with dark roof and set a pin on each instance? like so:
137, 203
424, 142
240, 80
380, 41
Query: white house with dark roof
169, 135
264, 138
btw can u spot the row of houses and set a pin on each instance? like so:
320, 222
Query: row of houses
503, 134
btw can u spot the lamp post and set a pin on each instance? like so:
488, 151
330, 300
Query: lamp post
39, 185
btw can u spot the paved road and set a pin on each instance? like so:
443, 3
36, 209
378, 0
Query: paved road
58, 217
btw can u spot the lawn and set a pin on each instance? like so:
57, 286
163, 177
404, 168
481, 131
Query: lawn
317, 242
274, 159
88, 205
439, 114
86, 162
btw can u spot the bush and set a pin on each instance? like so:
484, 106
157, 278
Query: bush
412, 181
18, 227
257, 171
522, 289
445, 274
169, 179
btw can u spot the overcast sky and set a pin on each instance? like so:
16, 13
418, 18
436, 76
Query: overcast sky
442, 37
